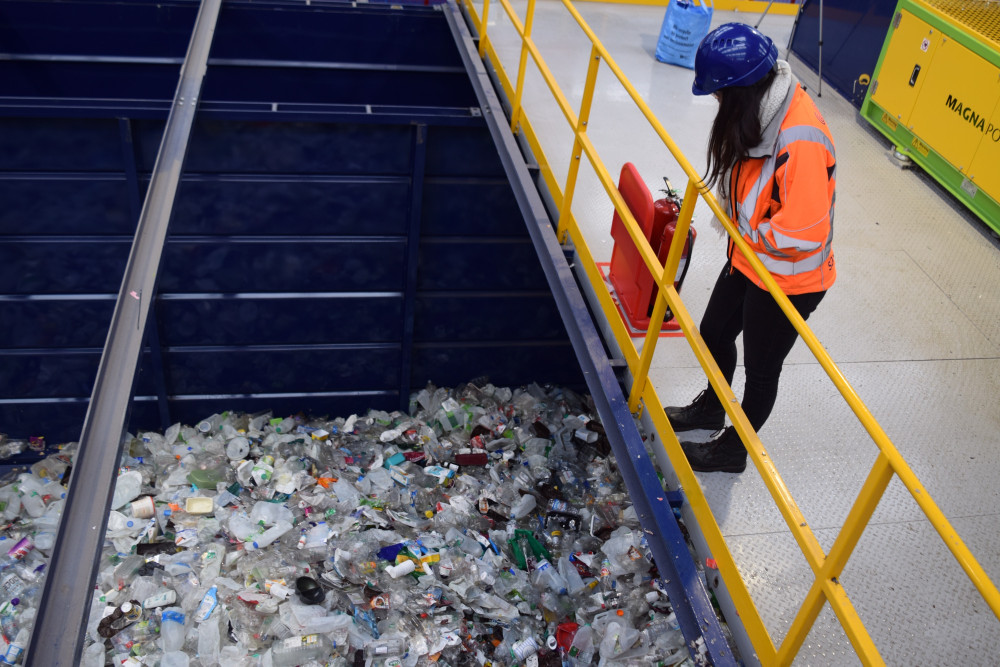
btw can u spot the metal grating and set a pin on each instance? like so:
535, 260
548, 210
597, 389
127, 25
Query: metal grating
980, 17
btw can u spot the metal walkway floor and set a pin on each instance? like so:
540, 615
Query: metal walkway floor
913, 323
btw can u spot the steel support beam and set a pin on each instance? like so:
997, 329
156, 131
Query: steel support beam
418, 165
677, 569
61, 624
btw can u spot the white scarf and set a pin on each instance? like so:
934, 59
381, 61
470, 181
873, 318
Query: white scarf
769, 105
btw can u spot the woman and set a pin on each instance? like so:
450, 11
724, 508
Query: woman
771, 161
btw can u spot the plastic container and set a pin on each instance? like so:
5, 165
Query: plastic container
385, 648
172, 629
299, 650
523, 506
268, 536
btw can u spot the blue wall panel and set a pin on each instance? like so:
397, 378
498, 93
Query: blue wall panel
57, 323
468, 263
65, 373
462, 151
285, 319
853, 33
364, 34
277, 370
482, 206
298, 205
291, 265
502, 363
284, 148
72, 144
135, 29
65, 204
487, 316
65, 266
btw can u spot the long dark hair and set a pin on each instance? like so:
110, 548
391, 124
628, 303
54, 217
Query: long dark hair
736, 128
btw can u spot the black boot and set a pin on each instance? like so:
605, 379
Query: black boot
726, 453
704, 413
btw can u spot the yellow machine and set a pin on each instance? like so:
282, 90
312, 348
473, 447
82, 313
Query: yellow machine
936, 95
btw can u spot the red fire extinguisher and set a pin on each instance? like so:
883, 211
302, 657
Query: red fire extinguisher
665, 212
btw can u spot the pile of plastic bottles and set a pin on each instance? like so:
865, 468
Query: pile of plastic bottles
488, 528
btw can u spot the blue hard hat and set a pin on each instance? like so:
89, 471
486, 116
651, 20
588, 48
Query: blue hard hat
734, 54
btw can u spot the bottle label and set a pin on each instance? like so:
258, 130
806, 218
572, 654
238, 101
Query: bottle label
12, 585
302, 641
556, 505
522, 649
207, 605
21, 549
171, 615
13, 654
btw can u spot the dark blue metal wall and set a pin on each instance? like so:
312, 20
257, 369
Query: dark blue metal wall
344, 230
853, 33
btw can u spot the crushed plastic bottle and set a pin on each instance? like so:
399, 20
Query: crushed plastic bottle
490, 521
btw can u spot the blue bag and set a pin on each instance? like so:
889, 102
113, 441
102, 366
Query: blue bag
684, 26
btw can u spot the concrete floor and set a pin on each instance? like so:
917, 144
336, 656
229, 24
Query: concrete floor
913, 323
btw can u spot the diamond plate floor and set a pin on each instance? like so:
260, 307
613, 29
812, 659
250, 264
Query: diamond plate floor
913, 323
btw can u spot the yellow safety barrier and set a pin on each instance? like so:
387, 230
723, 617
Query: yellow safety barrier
826, 567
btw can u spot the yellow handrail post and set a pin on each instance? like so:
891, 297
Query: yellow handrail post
515, 111
641, 375
580, 129
482, 28
864, 506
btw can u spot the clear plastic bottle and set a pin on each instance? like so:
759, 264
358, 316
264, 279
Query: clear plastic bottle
385, 648
287, 425
300, 650
268, 536
29, 488
547, 576
172, 629
210, 424
618, 638
10, 502
127, 488
208, 640
523, 507
237, 448
574, 582
15, 651
270, 513
664, 633
175, 659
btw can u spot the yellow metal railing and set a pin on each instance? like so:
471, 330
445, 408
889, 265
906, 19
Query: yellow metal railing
826, 567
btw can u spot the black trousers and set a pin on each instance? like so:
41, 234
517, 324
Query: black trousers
738, 305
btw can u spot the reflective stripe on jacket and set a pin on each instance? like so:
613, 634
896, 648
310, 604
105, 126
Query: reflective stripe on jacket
785, 201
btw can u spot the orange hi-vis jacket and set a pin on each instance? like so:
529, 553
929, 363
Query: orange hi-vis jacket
783, 197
